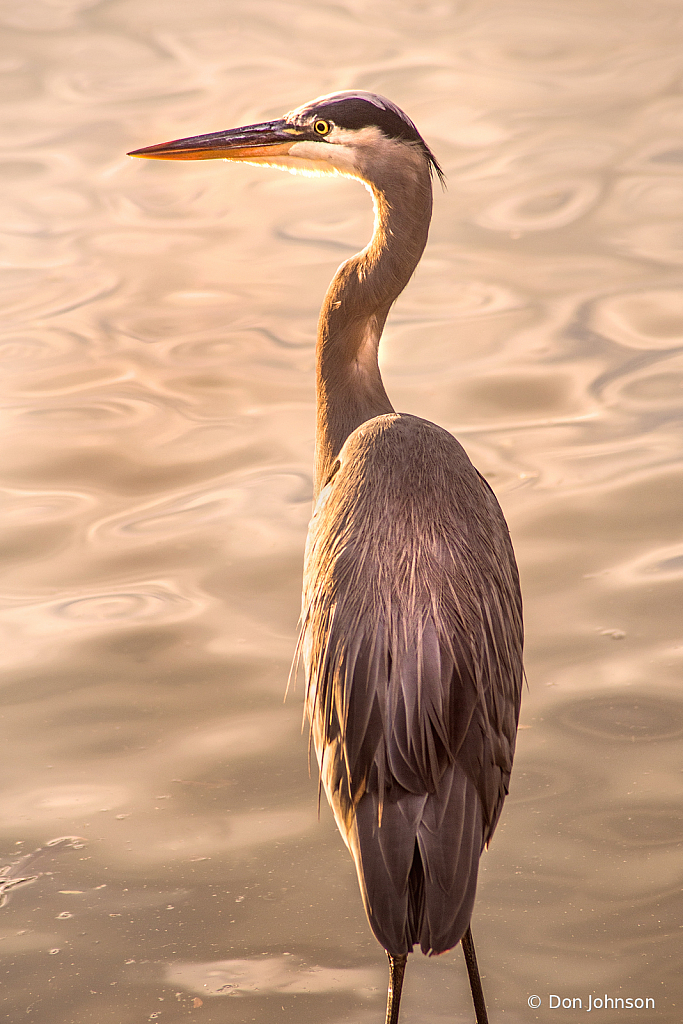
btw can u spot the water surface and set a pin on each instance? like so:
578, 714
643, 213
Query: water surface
156, 343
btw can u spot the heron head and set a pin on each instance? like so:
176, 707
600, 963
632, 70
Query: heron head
350, 133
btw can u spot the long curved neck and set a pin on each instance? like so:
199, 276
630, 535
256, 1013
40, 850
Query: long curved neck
348, 382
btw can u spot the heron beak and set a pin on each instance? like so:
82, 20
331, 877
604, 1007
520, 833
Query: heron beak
271, 139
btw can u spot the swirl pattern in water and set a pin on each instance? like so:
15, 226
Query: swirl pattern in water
156, 348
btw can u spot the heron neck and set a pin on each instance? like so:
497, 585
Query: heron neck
348, 381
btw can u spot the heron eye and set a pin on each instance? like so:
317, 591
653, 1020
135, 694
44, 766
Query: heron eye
322, 127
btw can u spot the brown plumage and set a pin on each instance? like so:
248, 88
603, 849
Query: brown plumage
411, 630
410, 590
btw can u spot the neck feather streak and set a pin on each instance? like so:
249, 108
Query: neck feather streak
348, 383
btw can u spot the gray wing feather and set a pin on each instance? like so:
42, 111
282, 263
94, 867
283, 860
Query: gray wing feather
411, 638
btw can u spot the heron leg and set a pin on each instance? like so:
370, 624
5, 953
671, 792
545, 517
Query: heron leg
475, 980
397, 968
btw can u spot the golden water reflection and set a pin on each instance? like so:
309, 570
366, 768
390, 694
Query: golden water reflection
156, 347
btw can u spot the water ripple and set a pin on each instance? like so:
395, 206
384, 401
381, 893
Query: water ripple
147, 243
157, 347
43, 506
156, 600
124, 412
251, 495
631, 826
662, 565
661, 242
655, 387
623, 717
117, 606
43, 805
31, 294
542, 206
344, 235
286, 975
440, 298
647, 319
23, 348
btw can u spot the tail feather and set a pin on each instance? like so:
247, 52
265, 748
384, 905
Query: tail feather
418, 871
451, 838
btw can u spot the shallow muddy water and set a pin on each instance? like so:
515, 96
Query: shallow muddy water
156, 342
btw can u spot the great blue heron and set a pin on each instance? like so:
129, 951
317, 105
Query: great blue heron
411, 630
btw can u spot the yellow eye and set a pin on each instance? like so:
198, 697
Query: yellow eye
322, 127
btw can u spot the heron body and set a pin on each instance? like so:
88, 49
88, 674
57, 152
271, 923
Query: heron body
410, 683
411, 634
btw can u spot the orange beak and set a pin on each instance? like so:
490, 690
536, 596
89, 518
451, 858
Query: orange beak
273, 138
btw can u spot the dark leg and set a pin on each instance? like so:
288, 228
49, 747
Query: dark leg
475, 980
397, 967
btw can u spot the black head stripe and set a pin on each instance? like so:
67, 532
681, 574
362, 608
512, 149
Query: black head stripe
359, 113
365, 110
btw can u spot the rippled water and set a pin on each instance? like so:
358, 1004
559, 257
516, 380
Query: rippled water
156, 346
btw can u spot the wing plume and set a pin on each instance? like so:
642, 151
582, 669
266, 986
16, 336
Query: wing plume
411, 638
